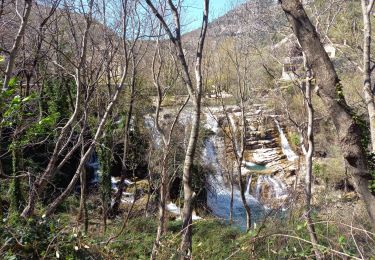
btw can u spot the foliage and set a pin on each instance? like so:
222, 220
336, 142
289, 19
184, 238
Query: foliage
294, 138
43, 238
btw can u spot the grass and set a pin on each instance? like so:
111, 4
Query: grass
212, 239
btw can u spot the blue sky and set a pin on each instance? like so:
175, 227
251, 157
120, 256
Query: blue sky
194, 9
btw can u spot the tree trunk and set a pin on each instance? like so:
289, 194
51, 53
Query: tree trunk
308, 161
186, 243
17, 41
83, 183
231, 195
195, 96
330, 91
121, 186
52, 207
162, 204
367, 87
47, 175
242, 186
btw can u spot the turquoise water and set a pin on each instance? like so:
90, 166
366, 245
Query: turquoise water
255, 167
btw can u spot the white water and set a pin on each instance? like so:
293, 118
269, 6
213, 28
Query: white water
150, 124
287, 150
219, 193
172, 208
218, 190
94, 164
233, 127
276, 186
248, 186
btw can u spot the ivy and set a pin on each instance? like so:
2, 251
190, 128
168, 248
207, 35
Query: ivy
339, 92
365, 142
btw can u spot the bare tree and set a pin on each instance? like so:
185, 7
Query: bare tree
239, 58
195, 96
127, 11
308, 152
135, 58
330, 91
158, 64
61, 143
17, 41
367, 7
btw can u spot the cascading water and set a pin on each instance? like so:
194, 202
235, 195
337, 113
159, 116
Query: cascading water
219, 190
233, 126
287, 150
219, 193
93, 166
150, 125
276, 186
248, 185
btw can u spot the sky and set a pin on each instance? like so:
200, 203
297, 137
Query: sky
194, 11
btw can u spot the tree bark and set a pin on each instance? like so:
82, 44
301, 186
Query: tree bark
17, 41
195, 96
231, 195
330, 91
121, 186
308, 160
367, 86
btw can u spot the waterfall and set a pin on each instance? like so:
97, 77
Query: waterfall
219, 192
275, 185
287, 150
93, 166
218, 184
150, 125
248, 186
234, 131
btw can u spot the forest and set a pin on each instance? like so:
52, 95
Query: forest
161, 129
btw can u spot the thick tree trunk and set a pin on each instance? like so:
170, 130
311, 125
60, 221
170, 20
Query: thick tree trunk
367, 86
330, 91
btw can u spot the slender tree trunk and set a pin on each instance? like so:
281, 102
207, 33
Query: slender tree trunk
195, 96
162, 204
46, 176
186, 243
52, 207
330, 91
308, 161
121, 186
13, 52
231, 195
149, 180
83, 184
242, 186
367, 86
16, 44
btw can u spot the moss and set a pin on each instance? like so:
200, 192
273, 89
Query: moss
365, 143
339, 92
